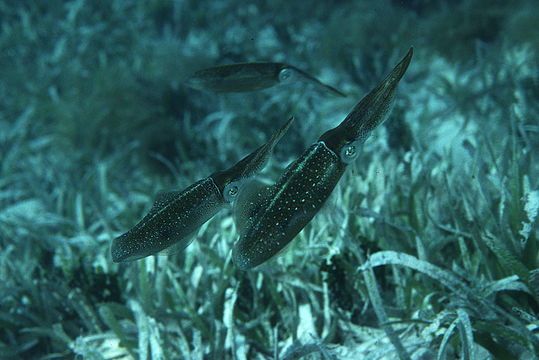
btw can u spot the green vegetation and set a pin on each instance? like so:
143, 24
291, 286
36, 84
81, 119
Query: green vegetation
428, 247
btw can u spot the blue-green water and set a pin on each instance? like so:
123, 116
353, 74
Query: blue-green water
426, 248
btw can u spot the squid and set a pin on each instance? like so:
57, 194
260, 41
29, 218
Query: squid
273, 215
241, 77
176, 215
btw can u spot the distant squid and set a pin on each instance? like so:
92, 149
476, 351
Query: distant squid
176, 215
272, 216
252, 76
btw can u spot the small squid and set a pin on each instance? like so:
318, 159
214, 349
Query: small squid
275, 214
176, 215
253, 76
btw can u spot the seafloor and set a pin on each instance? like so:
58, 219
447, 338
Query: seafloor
427, 248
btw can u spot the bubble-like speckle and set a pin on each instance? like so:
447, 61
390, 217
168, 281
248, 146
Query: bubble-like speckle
307, 183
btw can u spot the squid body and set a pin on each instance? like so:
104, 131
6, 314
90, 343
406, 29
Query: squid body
241, 77
176, 215
275, 214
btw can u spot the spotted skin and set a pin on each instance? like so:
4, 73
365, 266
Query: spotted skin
287, 206
171, 221
280, 211
176, 215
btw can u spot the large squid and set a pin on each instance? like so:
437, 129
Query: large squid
176, 215
275, 214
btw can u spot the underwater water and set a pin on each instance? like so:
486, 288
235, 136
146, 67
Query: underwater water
160, 127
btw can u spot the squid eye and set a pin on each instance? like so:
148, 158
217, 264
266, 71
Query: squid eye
231, 190
285, 74
350, 151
